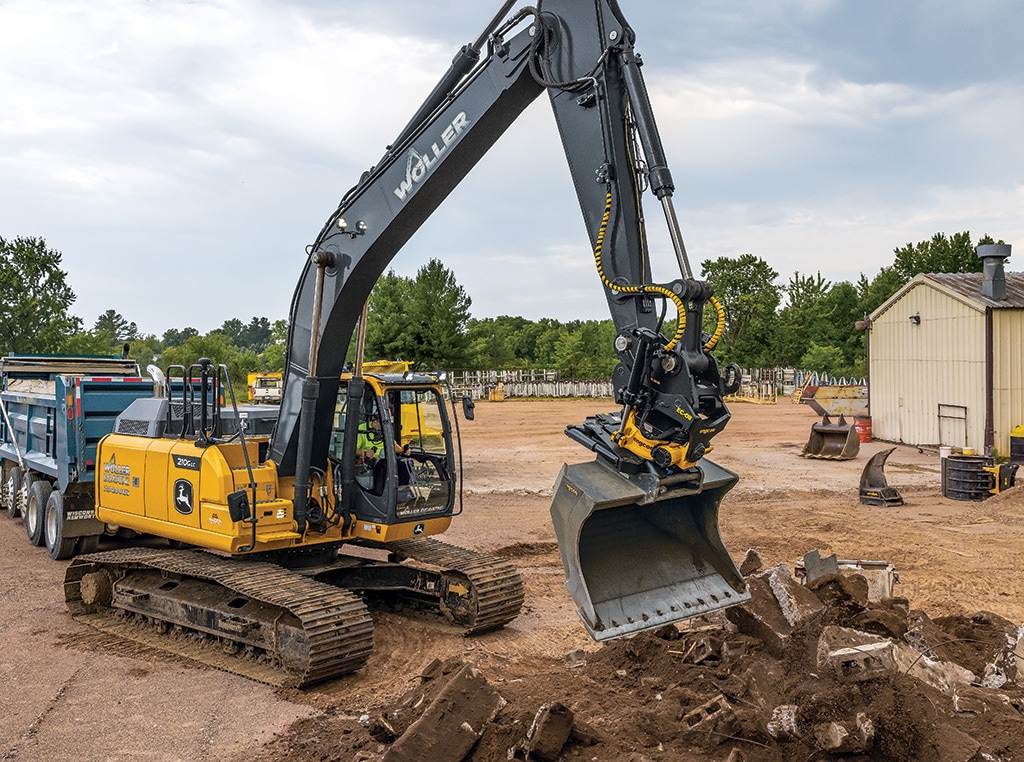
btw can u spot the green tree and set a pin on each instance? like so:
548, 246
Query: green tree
388, 334
746, 287
805, 310
219, 348
438, 315
494, 342
585, 350
175, 338
256, 335
34, 298
273, 356
874, 292
954, 254
824, 359
233, 329
113, 324
838, 327
87, 343
423, 320
146, 350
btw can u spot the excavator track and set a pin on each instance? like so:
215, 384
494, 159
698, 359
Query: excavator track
248, 617
479, 592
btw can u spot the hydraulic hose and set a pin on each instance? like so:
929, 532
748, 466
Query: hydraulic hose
719, 328
646, 289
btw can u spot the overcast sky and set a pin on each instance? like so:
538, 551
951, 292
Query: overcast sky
181, 155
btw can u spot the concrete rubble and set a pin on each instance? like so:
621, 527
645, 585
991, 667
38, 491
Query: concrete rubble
821, 670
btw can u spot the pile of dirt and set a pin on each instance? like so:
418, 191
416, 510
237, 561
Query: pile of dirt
816, 672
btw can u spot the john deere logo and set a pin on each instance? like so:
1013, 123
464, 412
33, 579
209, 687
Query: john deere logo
183, 496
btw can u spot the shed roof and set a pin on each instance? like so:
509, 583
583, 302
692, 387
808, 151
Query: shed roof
965, 287
969, 285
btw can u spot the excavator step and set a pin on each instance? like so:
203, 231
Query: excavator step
248, 617
277, 536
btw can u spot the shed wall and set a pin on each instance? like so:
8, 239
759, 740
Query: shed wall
915, 368
1008, 375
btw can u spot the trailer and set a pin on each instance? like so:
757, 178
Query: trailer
53, 412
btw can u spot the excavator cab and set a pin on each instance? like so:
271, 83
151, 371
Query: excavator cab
403, 454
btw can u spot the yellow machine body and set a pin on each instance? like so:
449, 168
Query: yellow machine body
632, 438
175, 489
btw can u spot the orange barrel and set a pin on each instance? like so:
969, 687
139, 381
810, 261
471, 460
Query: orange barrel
863, 425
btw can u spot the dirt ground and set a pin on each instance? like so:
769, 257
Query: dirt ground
71, 693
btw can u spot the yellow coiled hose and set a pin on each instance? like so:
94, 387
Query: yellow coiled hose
649, 289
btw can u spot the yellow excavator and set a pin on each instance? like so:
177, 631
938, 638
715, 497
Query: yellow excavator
262, 515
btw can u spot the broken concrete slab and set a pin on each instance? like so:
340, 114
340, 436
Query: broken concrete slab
956, 746
453, 721
551, 728
815, 566
857, 656
884, 622
840, 590
942, 675
879, 576
752, 562
845, 737
396, 719
834, 638
778, 607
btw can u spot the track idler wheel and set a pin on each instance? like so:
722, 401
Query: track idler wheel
97, 588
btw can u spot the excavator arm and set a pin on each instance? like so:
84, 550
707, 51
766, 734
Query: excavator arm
650, 455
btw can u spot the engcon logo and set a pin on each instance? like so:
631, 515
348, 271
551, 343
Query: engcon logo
418, 165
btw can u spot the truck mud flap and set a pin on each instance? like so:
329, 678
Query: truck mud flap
832, 441
634, 564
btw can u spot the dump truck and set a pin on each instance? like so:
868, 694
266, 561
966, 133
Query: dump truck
54, 411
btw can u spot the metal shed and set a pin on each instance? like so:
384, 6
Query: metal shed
945, 358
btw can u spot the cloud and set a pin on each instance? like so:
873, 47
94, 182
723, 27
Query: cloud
182, 154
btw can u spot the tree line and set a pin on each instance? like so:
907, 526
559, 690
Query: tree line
806, 322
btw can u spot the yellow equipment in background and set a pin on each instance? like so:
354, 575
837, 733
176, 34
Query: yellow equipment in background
266, 388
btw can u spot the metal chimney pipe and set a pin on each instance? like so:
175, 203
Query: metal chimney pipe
993, 284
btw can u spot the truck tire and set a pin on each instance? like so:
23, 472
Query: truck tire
35, 510
12, 488
57, 545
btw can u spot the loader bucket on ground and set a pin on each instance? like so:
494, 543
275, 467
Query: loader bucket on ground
874, 489
832, 441
634, 564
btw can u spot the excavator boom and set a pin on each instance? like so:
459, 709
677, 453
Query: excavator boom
637, 527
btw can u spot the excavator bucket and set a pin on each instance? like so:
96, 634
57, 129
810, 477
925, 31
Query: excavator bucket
635, 558
874, 489
832, 441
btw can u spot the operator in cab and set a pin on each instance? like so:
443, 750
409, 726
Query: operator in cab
370, 441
